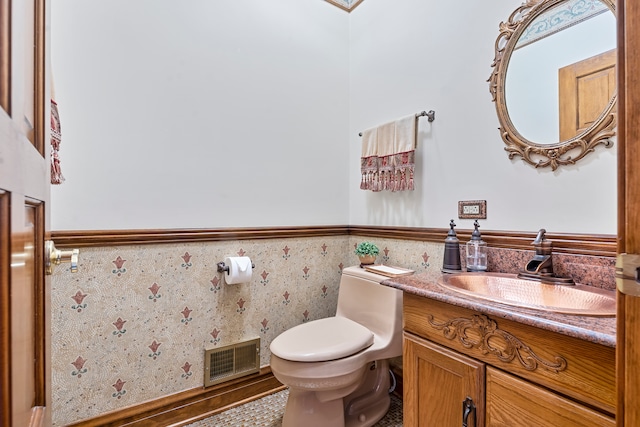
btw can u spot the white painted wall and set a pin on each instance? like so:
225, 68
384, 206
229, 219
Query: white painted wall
200, 113
414, 55
159, 99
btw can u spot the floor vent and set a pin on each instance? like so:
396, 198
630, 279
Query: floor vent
231, 361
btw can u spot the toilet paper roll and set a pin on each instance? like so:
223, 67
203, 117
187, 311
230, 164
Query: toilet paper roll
240, 269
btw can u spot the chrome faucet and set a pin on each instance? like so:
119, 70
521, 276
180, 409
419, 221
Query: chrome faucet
540, 267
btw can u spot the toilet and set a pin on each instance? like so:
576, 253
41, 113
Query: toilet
337, 368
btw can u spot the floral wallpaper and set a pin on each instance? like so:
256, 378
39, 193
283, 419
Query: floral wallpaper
133, 323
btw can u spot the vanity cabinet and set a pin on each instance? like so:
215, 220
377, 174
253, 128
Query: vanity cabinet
515, 374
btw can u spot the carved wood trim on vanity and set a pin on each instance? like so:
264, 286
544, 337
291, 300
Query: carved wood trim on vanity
577, 244
485, 335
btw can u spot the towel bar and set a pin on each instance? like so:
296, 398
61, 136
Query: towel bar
431, 116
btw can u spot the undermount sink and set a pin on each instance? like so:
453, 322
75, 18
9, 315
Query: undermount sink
509, 289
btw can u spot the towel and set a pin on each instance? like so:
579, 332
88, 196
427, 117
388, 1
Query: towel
369, 158
388, 156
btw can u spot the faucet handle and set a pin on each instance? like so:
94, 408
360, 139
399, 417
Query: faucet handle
540, 238
542, 245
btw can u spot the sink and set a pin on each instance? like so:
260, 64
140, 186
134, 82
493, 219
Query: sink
509, 289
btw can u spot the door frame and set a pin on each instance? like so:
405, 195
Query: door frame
628, 316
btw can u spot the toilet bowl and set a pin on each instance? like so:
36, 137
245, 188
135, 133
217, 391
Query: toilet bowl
337, 368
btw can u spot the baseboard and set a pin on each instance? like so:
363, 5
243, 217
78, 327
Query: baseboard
189, 406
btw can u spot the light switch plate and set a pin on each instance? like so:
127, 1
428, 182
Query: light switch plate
472, 209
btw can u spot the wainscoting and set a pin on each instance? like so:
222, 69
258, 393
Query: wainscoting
129, 329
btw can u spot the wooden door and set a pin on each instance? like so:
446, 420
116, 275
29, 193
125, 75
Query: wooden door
628, 331
24, 197
437, 382
585, 89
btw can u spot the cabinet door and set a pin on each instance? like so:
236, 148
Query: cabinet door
514, 402
437, 381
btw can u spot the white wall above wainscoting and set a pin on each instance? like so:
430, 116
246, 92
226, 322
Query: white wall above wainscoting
201, 114
414, 55
246, 114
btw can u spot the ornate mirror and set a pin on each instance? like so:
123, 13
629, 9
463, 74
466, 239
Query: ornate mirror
554, 82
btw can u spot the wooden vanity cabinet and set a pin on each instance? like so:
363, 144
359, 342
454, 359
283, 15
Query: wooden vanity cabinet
517, 375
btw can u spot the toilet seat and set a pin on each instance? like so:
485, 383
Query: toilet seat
322, 340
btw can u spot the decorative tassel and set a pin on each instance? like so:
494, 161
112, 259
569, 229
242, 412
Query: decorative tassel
56, 174
56, 138
411, 184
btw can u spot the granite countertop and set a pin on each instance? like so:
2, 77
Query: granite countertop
597, 329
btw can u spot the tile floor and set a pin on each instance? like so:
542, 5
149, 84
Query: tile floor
268, 411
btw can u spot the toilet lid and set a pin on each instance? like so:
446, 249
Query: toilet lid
322, 340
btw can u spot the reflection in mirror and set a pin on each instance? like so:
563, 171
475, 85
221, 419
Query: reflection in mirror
533, 72
554, 80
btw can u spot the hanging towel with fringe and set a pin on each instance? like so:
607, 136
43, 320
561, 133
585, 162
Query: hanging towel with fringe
388, 156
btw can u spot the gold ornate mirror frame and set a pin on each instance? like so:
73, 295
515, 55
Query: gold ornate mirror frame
541, 155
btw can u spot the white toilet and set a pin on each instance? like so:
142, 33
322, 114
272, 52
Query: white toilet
336, 368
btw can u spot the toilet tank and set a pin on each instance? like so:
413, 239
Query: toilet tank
363, 299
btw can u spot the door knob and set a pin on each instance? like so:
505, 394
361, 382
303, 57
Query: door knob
55, 256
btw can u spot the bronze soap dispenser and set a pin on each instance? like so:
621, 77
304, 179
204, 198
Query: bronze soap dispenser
451, 263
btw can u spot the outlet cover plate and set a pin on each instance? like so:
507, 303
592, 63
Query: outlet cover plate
472, 209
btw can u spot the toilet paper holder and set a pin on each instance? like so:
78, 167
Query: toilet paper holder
222, 267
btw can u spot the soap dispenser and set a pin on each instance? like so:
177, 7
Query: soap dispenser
451, 263
476, 251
